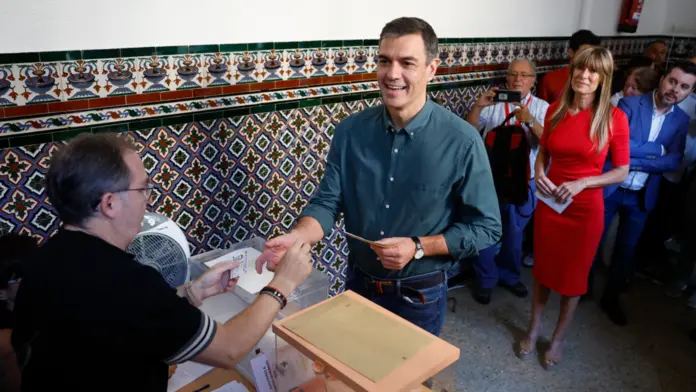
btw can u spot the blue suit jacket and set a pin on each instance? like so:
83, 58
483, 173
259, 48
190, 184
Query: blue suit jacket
647, 156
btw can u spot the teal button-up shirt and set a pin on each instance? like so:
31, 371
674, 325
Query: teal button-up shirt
432, 177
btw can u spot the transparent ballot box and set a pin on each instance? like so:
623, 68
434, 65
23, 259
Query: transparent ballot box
225, 306
347, 343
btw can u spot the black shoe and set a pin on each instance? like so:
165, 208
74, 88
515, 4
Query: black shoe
614, 311
518, 289
483, 296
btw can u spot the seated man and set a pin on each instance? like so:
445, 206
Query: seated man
90, 317
505, 269
552, 84
16, 250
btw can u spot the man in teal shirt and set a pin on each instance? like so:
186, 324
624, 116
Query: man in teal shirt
410, 175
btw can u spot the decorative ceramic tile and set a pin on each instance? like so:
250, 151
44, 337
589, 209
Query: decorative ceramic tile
187, 71
120, 77
7, 88
81, 79
36, 83
154, 74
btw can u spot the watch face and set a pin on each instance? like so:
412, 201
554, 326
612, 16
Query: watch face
419, 253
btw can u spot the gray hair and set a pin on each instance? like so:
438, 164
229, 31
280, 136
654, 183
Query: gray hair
83, 171
531, 63
406, 26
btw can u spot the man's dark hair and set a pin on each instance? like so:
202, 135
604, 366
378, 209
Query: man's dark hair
686, 67
583, 37
83, 171
15, 250
657, 41
406, 26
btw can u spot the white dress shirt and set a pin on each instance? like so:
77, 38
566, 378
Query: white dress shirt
616, 98
636, 180
494, 115
687, 165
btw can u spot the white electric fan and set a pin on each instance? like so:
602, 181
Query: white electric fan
162, 245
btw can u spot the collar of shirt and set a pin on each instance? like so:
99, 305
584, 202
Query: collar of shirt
655, 109
416, 125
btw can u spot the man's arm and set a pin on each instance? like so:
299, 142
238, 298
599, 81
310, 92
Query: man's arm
668, 162
474, 116
238, 336
477, 214
639, 149
319, 217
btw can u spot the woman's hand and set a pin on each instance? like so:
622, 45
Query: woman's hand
544, 185
567, 190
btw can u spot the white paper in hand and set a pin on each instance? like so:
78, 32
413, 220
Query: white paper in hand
241, 256
551, 202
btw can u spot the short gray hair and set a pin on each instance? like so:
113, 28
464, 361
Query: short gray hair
83, 171
531, 63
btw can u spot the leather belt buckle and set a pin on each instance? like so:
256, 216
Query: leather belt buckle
380, 285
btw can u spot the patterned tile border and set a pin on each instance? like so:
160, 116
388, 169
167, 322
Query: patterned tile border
158, 110
42, 83
45, 92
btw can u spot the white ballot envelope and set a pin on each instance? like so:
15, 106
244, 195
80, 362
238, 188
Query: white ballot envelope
551, 202
375, 243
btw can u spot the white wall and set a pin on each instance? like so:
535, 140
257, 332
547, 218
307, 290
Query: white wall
605, 16
681, 17
42, 25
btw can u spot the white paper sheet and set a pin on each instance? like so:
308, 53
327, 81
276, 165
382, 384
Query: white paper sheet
233, 386
551, 202
241, 256
185, 374
264, 374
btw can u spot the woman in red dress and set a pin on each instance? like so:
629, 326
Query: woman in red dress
579, 130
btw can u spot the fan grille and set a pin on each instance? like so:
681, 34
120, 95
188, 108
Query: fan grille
162, 253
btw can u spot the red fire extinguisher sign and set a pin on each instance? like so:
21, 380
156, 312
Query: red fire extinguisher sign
630, 16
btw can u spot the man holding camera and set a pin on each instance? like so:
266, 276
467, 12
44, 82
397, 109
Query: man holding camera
489, 112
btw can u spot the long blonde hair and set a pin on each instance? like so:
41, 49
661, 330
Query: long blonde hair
596, 60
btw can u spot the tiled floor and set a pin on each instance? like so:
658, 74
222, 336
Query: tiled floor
652, 353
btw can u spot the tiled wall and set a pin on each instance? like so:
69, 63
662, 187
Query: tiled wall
242, 162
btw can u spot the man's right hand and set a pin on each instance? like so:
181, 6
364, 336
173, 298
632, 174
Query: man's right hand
274, 251
486, 99
294, 267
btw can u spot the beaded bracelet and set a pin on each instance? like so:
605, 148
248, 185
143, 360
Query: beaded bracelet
277, 295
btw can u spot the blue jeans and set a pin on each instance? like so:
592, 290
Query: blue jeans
632, 218
405, 303
506, 266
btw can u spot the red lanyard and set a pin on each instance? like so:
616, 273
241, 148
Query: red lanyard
507, 110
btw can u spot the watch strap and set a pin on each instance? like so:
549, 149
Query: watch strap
419, 245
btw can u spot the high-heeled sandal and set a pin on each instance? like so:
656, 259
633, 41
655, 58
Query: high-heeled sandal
551, 360
524, 350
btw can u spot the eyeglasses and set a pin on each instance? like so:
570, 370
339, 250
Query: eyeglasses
514, 75
147, 192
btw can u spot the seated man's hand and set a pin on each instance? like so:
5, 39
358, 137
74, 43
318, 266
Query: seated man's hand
216, 281
294, 267
486, 99
274, 251
397, 252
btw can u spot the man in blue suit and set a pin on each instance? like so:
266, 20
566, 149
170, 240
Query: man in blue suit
658, 135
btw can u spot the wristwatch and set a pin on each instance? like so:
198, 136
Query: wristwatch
531, 123
419, 248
